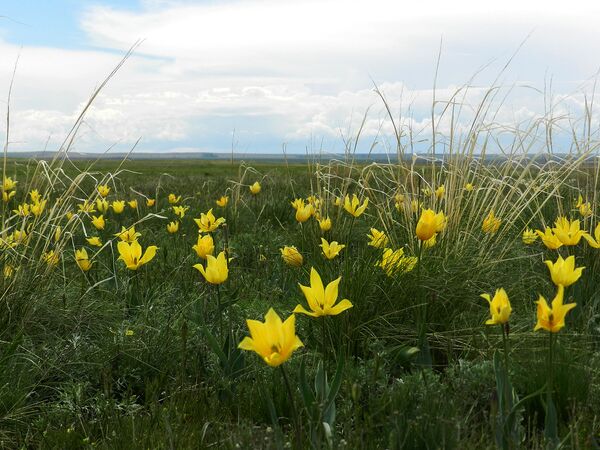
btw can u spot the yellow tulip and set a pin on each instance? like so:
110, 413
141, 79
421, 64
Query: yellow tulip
150, 202
131, 254
291, 256
205, 246
491, 223
118, 206
549, 239
255, 188
595, 243
208, 223
103, 190
222, 202
6, 195
9, 184
51, 258
99, 222
297, 203
94, 241
325, 224
500, 308
353, 207
174, 199
35, 196
37, 208
529, 236
563, 271
69, 215
337, 201
128, 234
173, 227
86, 207
331, 250
22, 210
567, 231
304, 213
394, 262
440, 191
82, 260
274, 341
469, 187
180, 210
321, 299
216, 271
133, 204
57, 233
430, 224
102, 205
378, 239
552, 319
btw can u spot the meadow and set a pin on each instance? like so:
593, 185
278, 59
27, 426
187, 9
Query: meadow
332, 304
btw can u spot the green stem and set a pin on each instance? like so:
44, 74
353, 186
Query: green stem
219, 310
297, 424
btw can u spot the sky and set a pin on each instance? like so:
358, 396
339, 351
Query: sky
258, 76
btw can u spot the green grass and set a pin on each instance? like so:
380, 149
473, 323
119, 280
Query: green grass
110, 359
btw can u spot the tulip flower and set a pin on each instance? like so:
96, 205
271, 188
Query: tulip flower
208, 223
337, 201
180, 210
378, 239
549, 239
529, 236
6, 195
222, 202
102, 205
118, 206
51, 258
174, 199
325, 224
469, 187
69, 215
8, 184
430, 224
594, 241
304, 213
35, 196
22, 210
440, 191
173, 227
321, 300
255, 188
491, 223
82, 260
57, 233
274, 341
150, 202
585, 208
205, 246
131, 254
568, 231
297, 203
291, 256
430, 242
552, 319
94, 241
353, 207
37, 208
86, 207
563, 271
133, 204
331, 250
216, 271
500, 308
99, 222
128, 234
103, 190
394, 262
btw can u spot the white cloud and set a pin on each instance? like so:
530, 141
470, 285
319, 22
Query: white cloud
289, 71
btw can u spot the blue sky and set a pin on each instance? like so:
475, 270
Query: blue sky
283, 72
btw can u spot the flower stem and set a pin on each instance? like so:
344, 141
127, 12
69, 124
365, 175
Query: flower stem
290, 393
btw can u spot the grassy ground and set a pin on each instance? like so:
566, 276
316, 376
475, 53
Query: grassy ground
116, 358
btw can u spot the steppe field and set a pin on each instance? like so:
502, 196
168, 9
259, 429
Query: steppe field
337, 304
